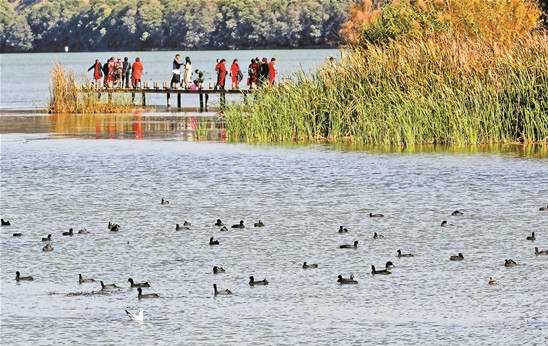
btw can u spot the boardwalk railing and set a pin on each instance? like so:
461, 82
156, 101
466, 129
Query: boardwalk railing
165, 89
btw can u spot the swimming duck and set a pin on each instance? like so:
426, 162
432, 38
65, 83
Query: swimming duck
259, 224
509, 263
348, 246
389, 265
48, 247
458, 257
252, 281
531, 237
217, 270
148, 295
375, 215
17, 234
18, 277
382, 271
309, 266
404, 254
493, 281
48, 238
444, 223
81, 280
223, 229
213, 242
83, 231
377, 236
457, 213
180, 228
343, 229
5, 222
139, 317
345, 281
543, 252
225, 292
108, 286
70, 232
141, 284
114, 227
186, 223
164, 201
543, 208
240, 225
219, 223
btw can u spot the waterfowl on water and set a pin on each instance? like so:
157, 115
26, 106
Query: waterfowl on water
405, 254
509, 263
81, 280
444, 223
186, 223
141, 284
108, 286
48, 238
543, 252
223, 229
531, 237
389, 265
343, 229
213, 242
218, 270
18, 277
240, 225
70, 232
139, 317
309, 266
225, 292
5, 222
543, 208
17, 234
457, 213
259, 224
83, 231
252, 281
382, 271
164, 201
48, 247
375, 215
493, 281
458, 257
114, 227
348, 246
377, 236
180, 228
345, 281
219, 223
148, 295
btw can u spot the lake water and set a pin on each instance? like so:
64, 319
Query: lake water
82, 171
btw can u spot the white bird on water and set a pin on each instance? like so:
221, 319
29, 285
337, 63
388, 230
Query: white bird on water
138, 317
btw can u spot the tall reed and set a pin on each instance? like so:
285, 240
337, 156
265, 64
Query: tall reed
446, 89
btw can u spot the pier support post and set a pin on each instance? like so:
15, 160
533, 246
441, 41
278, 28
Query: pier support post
223, 100
168, 100
178, 100
144, 103
201, 102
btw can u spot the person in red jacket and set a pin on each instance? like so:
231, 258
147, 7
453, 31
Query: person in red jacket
222, 73
236, 74
97, 73
272, 71
137, 69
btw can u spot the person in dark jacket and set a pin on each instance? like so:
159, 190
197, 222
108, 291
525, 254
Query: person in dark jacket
126, 73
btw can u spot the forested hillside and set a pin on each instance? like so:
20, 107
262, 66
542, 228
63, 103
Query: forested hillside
100, 25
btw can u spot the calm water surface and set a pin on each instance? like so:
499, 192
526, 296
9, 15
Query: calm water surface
303, 194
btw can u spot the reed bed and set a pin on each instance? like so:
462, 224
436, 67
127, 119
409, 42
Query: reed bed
65, 96
443, 90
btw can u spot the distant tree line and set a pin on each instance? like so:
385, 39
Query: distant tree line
101, 25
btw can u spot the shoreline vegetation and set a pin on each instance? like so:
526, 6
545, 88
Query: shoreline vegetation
417, 72
414, 72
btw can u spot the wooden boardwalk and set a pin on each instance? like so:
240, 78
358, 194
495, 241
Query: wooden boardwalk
203, 94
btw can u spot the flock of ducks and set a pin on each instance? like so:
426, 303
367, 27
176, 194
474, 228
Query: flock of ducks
113, 227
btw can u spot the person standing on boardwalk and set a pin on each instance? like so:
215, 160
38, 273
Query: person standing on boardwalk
118, 73
200, 80
97, 73
105, 73
272, 70
111, 68
176, 63
263, 74
222, 73
218, 71
236, 74
254, 73
187, 77
137, 71
126, 72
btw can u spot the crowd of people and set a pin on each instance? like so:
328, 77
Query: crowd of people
116, 73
